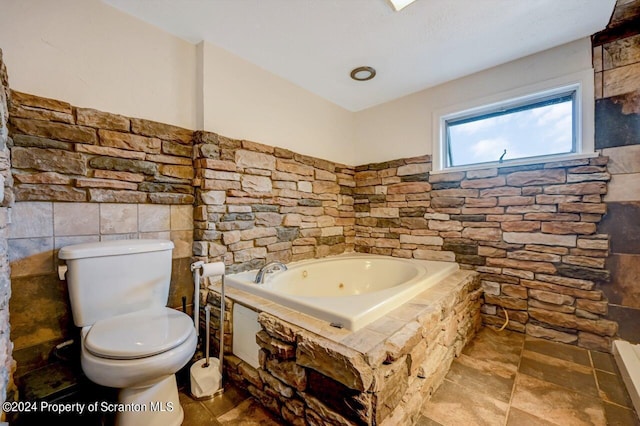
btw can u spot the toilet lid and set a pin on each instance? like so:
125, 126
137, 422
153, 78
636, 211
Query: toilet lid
139, 334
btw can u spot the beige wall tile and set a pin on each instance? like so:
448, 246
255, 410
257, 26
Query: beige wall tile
154, 217
181, 218
620, 52
31, 219
161, 235
76, 219
621, 80
624, 188
118, 218
114, 237
623, 159
183, 241
597, 58
31, 256
59, 242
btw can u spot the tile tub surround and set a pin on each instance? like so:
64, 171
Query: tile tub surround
312, 373
257, 203
531, 232
40, 228
616, 59
7, 364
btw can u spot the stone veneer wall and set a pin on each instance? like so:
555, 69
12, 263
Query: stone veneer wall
64, 153
616, 59
7, 365
83, 175
256, 204
530, 231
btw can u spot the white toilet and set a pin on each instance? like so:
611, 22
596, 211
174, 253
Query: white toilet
130, 339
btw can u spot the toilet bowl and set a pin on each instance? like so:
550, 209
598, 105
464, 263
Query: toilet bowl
130, 339
140, 353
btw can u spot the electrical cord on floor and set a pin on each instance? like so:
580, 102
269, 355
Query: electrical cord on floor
506, 315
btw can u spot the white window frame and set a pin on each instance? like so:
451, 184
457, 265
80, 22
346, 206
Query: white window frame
583, 84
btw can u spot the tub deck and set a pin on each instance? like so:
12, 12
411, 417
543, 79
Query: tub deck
319, 294
368, 339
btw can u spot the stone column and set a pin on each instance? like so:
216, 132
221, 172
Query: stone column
7, 364
616, 61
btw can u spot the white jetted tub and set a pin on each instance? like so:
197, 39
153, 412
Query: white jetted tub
348, 291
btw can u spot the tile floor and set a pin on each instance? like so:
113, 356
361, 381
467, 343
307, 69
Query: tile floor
505, 378
233, 407
501, 378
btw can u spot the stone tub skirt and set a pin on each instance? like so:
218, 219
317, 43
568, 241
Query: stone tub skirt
312, 373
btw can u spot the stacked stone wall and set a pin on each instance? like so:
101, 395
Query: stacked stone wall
71, 154
257, 204
7, 365
531, 231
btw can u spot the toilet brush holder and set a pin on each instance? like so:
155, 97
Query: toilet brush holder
206, 374
206, 380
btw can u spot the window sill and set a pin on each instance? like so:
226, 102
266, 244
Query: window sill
515, 163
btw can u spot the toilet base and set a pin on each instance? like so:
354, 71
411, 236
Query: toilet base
157, 404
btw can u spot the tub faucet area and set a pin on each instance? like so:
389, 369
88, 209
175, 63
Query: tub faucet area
268, 269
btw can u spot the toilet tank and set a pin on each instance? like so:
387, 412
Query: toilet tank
111, 278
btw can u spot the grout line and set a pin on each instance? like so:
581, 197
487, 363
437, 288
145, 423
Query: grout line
99, 221
600, 397
595, 377
54, 257
569, 389
515, 379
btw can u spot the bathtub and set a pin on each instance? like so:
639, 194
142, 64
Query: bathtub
348, 291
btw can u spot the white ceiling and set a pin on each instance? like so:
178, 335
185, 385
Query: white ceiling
316, 43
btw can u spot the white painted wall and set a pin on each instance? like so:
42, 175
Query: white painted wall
243, 101
403, 128
92, 55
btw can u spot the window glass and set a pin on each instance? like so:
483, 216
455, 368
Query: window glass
541, 126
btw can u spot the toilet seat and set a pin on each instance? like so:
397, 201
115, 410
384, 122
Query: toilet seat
138, 334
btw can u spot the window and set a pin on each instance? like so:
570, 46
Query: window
541, 125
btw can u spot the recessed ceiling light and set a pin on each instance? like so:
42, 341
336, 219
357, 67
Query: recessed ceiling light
363, 73
398, 5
